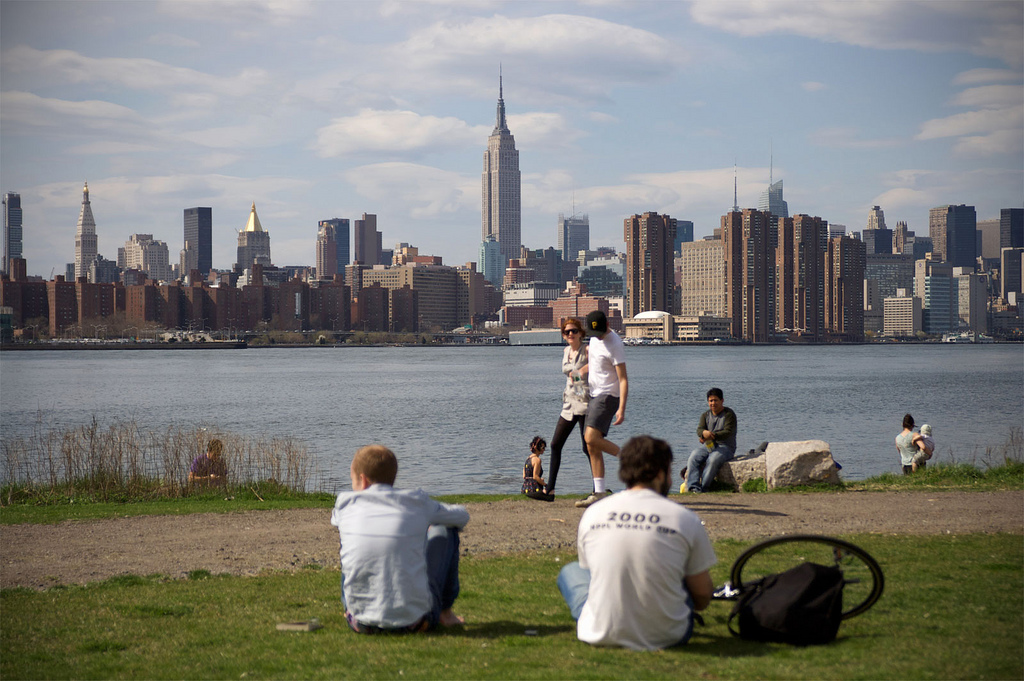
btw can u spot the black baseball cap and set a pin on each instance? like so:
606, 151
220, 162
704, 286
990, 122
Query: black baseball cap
597, 322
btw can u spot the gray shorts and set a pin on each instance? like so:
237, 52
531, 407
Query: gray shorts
601, 412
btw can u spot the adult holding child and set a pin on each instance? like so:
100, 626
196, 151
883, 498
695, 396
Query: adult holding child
575, 396
913, 452
399, 550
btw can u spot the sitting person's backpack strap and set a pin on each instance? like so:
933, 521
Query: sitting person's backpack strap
801, 606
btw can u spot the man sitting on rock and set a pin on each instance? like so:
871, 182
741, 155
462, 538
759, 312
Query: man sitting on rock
399, 550
717, 433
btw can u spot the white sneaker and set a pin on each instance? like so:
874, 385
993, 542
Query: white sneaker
592, 499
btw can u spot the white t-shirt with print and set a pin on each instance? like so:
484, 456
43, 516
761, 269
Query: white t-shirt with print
605, 354
639, 547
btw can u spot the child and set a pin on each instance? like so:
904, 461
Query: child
533, 472
926, 444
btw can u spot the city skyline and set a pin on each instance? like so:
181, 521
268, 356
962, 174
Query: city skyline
321, 110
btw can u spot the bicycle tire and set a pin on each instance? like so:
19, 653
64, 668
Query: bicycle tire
849, 558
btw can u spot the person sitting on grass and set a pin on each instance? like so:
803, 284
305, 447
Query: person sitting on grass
209, 468
533, 472
399, 550
643, 559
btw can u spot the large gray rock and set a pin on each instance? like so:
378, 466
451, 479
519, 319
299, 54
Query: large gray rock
808, 462
738, 471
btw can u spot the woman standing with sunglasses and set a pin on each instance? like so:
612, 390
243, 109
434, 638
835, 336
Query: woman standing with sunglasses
574, 398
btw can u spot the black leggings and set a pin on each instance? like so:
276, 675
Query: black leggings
562, 431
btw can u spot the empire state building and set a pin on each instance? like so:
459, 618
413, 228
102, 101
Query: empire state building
500, 205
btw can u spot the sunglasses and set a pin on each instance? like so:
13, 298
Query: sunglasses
569, 332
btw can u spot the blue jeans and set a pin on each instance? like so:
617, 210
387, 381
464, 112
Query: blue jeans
574, 583
703, 465
442, 571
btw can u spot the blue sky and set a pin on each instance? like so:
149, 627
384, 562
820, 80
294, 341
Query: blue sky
330, 109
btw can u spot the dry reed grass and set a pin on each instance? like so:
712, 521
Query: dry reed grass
122, 462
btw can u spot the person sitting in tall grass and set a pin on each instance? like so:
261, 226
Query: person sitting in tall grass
209, 468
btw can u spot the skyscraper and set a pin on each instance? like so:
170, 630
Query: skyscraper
492, 263
877, 238
253, 243
367, 241
12, 230
771, 201
198, 251
844, 288
573, 235
144, 253
332, 251
684, 233
650, 277
1011, 227
85, 237
501, 206
953, 230
933, 284
745, 242
808, 275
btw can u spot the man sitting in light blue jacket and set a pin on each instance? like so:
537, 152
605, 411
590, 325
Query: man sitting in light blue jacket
399, 550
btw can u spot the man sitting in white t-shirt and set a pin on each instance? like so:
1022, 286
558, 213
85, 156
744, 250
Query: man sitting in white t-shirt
643, 559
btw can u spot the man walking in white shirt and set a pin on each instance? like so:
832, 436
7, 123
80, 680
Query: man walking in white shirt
609, 387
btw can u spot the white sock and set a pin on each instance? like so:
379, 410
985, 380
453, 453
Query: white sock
598, 485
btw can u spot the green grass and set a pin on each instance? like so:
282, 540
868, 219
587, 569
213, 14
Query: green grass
963, 477
953, 608
224, 502
952, 476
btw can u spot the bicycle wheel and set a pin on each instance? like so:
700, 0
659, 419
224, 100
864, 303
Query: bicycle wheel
862, 576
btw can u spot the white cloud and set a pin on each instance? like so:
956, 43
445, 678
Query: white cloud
975, 76
172, 40
555, 57
847, 138
241, 12
63, 67
992, 96
987, 29
539, 130
813, 86
255, 133
372, 131
24, 112
998, 142
106, 148
983, 121
417, 190
995, 127
912, 192
905, 200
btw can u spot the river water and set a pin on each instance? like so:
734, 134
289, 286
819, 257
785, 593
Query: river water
460, 418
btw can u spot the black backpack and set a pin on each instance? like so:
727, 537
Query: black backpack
802, 606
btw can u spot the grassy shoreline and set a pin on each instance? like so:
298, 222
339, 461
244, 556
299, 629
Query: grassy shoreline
953, 608
948, 477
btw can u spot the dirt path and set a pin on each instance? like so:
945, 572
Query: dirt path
76, 552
